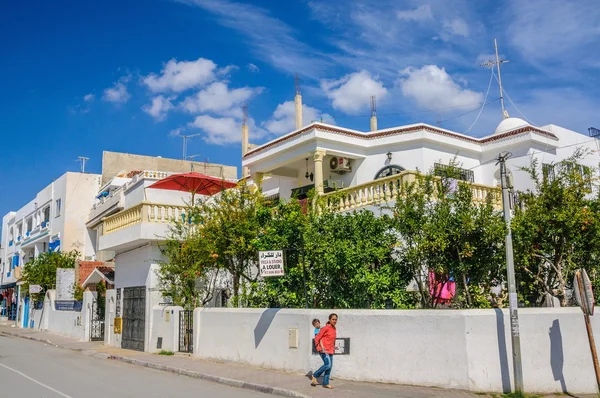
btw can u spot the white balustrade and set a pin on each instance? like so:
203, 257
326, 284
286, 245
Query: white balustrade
387, 189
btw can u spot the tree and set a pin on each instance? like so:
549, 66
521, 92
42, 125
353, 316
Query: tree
189, 274
444, 237
42, 269
229, 223
283, 228
349, 257
556, 230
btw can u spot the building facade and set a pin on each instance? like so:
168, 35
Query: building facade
362, 164
52, 221
128, 221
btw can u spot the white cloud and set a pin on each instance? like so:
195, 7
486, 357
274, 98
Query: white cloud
283, 120
159, 107
218, 98
183, 75
454, 27
432, 87
421, 13
225, 130
117, 94
352, 93
253, 68
176, 132
89, 97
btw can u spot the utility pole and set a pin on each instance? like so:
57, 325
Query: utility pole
510, 269
490, 64
82, 159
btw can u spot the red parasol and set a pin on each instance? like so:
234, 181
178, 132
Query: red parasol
194, 183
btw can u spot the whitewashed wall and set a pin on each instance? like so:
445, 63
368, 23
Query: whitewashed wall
75, 324
110, 338
165, 324
459, 349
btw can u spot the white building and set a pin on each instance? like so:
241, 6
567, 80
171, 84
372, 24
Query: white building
362, 164
128, 222
53, 220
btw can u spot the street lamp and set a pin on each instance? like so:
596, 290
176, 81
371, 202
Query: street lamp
389, 156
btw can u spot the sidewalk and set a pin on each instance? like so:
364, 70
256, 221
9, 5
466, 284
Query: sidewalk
242, 376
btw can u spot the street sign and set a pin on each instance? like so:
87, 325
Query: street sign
271, 263
581, 283
34, 289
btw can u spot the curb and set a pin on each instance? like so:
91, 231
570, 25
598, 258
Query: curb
282, 392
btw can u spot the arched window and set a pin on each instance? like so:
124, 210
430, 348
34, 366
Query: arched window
389, 171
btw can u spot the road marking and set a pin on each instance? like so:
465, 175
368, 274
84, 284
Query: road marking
36, 382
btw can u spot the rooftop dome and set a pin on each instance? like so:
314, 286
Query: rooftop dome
509, 124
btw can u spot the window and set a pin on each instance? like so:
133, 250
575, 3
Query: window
389, 171
46, 214
58, 203
29, 224
448, 171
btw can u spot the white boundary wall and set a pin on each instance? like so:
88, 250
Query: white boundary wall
75, 324
165, 324
464, 349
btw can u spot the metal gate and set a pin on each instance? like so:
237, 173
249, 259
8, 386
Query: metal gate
134, 318
186, 331
97, 321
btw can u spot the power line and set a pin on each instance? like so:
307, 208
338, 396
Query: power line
472, 110
483, 104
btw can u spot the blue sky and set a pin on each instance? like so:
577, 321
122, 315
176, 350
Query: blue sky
82, 77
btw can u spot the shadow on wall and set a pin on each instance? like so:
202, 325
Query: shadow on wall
263, 325
502, 351
557, 359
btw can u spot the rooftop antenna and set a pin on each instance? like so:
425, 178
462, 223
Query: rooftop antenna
438, 120
490, 64
82, 160
185, 138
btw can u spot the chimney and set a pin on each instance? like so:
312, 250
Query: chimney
373, 114
298, 103
245, 170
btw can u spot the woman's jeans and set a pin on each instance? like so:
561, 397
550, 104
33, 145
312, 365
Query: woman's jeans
325, 370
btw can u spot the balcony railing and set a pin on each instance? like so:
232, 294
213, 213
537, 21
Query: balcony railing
387, 189
144, 213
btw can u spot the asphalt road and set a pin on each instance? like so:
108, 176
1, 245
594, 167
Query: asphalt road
35, 370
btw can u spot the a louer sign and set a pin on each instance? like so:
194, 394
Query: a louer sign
271, 263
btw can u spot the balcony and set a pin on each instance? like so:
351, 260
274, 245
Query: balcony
385, 190
108, 205
140, 224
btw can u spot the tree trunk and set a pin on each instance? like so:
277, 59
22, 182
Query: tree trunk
236, 287
467, 293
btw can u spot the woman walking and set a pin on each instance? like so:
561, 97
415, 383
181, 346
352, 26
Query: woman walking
325, 342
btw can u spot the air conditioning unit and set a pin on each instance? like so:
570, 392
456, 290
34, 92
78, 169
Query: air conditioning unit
340, 165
